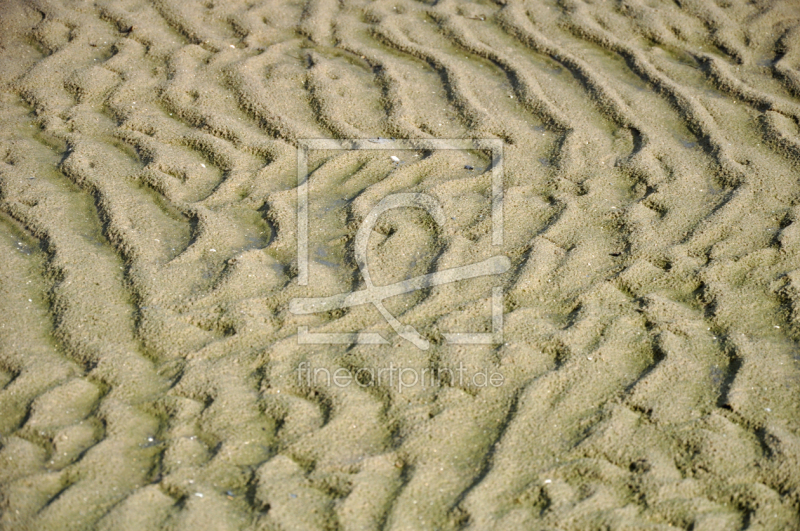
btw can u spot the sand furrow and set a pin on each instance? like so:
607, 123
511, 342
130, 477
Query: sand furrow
696, 116
94, 321
394, 78
474, 115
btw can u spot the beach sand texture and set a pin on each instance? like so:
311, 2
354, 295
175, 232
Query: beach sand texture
148, 230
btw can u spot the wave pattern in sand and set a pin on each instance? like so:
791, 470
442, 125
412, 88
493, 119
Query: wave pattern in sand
147, 190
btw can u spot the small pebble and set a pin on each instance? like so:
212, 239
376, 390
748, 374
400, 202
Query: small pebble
395, 159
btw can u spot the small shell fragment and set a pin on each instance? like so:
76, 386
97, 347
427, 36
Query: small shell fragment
395, 159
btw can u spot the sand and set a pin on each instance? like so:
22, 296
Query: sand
641, 358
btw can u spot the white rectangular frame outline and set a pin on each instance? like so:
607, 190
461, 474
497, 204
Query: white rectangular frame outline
304, 145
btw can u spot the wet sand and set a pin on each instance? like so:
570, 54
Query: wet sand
647, 370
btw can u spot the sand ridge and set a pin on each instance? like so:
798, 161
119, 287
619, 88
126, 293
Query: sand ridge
148, 203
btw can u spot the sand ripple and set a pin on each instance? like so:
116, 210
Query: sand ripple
148, 193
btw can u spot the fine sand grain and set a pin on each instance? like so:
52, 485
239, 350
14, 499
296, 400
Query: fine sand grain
152, 373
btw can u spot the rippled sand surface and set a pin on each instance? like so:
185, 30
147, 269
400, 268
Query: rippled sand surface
647, 365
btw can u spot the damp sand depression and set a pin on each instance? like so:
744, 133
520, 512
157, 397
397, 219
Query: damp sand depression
176, 176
